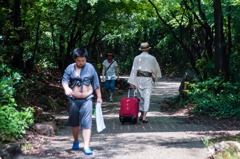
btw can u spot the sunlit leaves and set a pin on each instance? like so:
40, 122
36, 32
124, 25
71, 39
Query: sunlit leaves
224, 104
92, 2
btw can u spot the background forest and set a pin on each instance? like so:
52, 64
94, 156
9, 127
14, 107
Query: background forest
198, 37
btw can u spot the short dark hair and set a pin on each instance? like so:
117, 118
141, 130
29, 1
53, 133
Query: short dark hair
80, 52
110, 51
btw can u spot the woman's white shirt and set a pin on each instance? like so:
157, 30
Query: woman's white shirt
110, 74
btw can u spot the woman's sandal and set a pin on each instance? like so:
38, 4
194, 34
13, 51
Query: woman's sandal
88, 151
75, 145
144, 121
140, 118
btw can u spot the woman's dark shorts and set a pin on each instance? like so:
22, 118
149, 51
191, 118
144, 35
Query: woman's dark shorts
80, 112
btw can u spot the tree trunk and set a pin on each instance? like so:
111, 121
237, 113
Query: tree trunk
53, 39
36, 43
72, 41
185, 47
30, 62
220, 44
98, 61
17, 59
61, 51
228, 74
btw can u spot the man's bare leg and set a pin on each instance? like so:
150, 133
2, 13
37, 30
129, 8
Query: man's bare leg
75, 132
86, 133
141, 114
144, 115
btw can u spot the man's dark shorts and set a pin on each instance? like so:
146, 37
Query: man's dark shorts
80, 112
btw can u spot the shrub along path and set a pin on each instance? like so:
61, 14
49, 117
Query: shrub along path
166, 136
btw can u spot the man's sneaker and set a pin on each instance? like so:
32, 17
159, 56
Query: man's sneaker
75, 145
110, 99
88, 151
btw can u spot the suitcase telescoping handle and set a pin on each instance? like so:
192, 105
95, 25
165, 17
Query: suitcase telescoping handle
129, 89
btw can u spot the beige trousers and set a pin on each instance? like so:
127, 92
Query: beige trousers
144, 90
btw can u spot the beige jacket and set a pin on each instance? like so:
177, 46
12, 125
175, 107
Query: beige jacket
144, 62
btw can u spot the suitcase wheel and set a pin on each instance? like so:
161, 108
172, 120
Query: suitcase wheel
121, 120
135, 121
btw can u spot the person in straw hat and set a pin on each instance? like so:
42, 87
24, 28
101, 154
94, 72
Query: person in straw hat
111, 73
145, 71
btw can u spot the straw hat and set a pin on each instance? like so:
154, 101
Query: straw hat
144, 46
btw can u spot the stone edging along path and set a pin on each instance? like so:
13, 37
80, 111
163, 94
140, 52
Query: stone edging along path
164, 137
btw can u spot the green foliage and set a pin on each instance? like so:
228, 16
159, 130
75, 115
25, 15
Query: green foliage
225, 138
215, 98
205, 141
121, 25
232, 152
235, 67
12, 121
44, 142
27, 146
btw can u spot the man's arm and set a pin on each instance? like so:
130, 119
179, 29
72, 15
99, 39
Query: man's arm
66, 80
133, 86
99, 95
157, 72
133, 74
68, 91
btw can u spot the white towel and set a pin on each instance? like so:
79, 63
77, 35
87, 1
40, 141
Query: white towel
99, 118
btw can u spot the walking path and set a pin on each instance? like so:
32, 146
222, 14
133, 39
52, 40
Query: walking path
164, 137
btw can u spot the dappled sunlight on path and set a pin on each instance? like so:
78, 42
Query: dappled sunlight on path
165, 136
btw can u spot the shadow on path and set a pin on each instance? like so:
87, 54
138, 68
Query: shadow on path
165, 136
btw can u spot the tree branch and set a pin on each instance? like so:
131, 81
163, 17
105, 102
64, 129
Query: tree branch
190, 56
95, 41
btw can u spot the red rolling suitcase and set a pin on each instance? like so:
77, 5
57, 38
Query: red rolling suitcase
129, 108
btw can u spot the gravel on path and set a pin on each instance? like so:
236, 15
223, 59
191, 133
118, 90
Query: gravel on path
164, 137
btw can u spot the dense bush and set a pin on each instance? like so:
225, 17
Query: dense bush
12, 121
215, 98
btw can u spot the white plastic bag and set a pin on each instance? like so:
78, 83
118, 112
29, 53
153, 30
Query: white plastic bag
99, 118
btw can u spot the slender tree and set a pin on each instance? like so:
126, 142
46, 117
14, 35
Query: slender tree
220, 44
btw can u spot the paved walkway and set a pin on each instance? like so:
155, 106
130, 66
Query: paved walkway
164, 137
